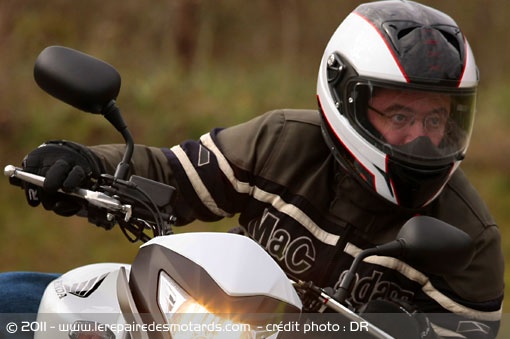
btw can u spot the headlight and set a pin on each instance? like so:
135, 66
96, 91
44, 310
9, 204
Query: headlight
188, 319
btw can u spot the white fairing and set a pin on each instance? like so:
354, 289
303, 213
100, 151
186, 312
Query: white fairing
85, 293
236, 263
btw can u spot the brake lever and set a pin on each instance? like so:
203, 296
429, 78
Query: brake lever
98, 199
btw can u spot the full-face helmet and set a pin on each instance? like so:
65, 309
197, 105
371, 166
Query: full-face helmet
396, 90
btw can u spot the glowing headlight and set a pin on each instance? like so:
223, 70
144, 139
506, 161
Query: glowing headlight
188, 319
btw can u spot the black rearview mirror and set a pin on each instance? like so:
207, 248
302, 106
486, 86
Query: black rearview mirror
76, 78
435, 246
429, 244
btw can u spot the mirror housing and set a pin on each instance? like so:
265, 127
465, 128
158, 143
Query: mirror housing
76, 78
435, 246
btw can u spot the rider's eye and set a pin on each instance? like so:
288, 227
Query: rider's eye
435, 120
400, 119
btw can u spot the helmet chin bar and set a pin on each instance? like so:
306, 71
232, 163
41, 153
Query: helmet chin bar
416, 187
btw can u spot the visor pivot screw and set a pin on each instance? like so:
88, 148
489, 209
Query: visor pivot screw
335, 68
331, 60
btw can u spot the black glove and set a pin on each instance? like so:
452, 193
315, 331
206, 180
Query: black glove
66, 165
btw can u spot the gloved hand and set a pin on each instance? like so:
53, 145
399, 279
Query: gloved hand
66, 165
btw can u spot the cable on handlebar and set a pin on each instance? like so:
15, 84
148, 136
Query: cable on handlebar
128, 230
159, 229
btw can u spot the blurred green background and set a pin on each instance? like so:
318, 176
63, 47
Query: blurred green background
188, 66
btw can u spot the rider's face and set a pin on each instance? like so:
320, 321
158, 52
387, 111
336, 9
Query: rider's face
402, 116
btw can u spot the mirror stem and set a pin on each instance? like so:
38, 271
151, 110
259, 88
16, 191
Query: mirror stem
122, 169
112, 113
345, 285
393, 248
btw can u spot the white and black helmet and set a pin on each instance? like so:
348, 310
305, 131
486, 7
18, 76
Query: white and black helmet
390, 51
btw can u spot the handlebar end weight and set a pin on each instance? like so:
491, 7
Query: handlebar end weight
9, 171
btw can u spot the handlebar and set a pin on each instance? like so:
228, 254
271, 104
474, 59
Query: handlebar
95, 198
142, 211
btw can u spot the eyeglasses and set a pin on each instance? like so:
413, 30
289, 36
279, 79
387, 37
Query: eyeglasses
401, 118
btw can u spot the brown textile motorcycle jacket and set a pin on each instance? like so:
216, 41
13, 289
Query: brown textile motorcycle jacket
276, 173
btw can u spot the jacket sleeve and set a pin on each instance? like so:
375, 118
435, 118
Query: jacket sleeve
216, 174
207, 187
149, 162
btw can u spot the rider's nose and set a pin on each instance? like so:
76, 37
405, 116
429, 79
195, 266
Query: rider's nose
415, 130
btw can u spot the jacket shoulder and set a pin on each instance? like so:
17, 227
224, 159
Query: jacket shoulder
461, 206
300, 115
250, 144
464, 202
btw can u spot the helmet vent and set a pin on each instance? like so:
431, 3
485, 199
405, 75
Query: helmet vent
402, 33
439, 44
451, 37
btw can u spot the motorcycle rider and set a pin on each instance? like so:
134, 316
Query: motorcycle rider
396, 92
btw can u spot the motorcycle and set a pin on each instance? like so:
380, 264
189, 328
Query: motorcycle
192, 285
